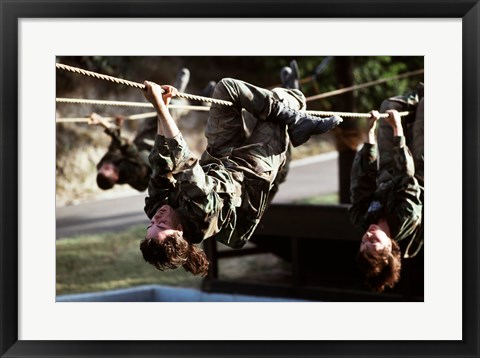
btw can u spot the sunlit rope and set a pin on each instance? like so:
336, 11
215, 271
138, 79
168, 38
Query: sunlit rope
351, 114
86, 119
127, 104
124, 104
364, 85
205, 108
104, 103
136, 84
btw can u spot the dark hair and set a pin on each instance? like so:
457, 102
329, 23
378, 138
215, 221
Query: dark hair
104, 182
381, 268
174, 251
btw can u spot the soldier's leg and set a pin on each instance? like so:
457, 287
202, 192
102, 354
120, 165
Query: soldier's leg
294, 98
261, 103
281, 175
145, 135
225, 128
266, 149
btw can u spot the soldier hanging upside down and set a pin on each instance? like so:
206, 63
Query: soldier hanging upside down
387, 202
126, 162
223, 195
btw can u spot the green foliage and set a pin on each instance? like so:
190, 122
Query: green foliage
365, 69
368, 69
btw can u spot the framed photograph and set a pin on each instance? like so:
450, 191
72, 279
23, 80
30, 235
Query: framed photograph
35, 33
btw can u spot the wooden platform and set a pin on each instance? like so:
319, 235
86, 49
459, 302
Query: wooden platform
320, 245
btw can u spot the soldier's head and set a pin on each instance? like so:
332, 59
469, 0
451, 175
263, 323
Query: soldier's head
379, 259
108, 175
166, 248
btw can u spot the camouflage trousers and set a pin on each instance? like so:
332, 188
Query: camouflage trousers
413, 130
241, 133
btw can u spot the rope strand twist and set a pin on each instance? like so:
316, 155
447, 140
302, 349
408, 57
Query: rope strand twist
136, 84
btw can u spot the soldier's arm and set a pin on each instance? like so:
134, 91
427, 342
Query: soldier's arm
407, 205
96, 119
364, 174
161, 181
160, 97
395, 122
111, 129
363, 182
161, 158
187, 171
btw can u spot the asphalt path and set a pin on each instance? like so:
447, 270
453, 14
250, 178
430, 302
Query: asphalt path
313, 176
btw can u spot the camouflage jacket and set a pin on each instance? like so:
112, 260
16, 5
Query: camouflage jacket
398, 199
216, 198
134, 169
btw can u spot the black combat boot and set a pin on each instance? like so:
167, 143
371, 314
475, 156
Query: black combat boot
289, 76
182, 79
209, 88
300, 124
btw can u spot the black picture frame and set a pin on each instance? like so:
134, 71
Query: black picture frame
12, 11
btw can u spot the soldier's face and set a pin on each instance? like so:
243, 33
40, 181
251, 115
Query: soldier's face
164, 223
110, 171
375, 239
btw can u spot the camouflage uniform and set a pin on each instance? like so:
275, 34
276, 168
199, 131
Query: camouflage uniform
224, 194
413, 127
406, 102
145, 138
132, 163
417, 142
393, 192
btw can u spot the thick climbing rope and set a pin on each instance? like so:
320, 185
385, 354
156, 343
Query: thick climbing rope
119, 103
87, 119
127, 104
212, 100
351, 115
206, 108
136, 84
104, 103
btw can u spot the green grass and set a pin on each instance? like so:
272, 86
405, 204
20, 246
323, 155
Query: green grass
320, 199
109, 261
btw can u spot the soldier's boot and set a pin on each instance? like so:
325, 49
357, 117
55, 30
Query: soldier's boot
285, 74
301, 126
208, 91
289, 76
182, 79
294, 78
209, 88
